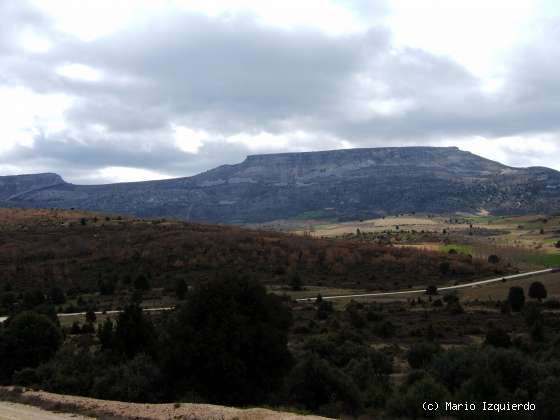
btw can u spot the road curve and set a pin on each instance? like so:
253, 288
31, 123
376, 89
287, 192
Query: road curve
377, 294
416, 291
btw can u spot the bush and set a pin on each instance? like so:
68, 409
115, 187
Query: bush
180, 288
421, 354
537, 291
497, 337
516, 298
431, 290
228, 342
142, 283
408, 402
493, 259
314, 384
134, 333
138, 380
324, 309
532, 313
29, 339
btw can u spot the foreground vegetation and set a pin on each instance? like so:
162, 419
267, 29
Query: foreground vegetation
229, 341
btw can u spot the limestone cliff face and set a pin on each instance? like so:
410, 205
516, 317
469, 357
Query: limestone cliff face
344, 184
12, 186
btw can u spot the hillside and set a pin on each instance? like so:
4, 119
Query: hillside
340, 184
85, 253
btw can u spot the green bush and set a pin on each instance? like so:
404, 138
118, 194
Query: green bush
29, 339
228, 342
421, 354
408, 402
314, 384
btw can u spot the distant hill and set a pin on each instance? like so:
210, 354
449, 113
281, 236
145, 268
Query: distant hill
342, 184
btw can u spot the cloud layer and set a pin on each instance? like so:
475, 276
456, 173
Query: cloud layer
177, 93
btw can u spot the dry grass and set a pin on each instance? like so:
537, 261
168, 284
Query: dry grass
499, 291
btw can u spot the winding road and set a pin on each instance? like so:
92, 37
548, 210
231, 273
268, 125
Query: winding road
416, 291
360, 295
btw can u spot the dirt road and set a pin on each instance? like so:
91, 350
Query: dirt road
12, 411
416, 291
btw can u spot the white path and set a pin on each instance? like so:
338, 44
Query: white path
415, 291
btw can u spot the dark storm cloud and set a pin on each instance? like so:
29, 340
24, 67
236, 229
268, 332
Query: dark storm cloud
233, 75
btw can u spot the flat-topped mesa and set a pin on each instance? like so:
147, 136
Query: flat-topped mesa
337, 184
450, 159
414, 152
13, 185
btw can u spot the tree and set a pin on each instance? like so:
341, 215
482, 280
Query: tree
181, 288
537, 291
431, 290
29, 339
421, 354
106, 334
314, 383
296, 283
228, 342
444, 267
137, 380
493, 259
134, 332
33, 298
557, 244
57, 296
142, 283
90, 316
516, 298
532, 313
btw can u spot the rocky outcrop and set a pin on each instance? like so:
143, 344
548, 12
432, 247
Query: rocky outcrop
342, 184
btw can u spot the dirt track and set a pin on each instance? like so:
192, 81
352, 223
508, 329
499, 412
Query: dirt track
120, 410
12, 411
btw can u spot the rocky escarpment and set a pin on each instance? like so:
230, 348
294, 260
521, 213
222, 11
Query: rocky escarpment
343, 184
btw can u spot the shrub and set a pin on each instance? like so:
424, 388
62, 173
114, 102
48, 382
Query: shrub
228, 342
532, 313
497, 337
421, 354
138, 380
142, 283
408, 402
493, 259
181, 288
314, 383
296, 283
324, 309
516, 298
29, 339
134, 332
431, 290
537, 290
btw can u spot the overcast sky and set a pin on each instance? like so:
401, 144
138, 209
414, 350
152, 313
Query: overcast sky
120, 90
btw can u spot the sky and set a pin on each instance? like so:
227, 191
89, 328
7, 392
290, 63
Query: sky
103, 91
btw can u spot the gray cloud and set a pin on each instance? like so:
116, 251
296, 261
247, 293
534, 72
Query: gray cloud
233, 75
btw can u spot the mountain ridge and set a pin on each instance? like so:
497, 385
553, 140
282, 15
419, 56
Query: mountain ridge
343, 184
